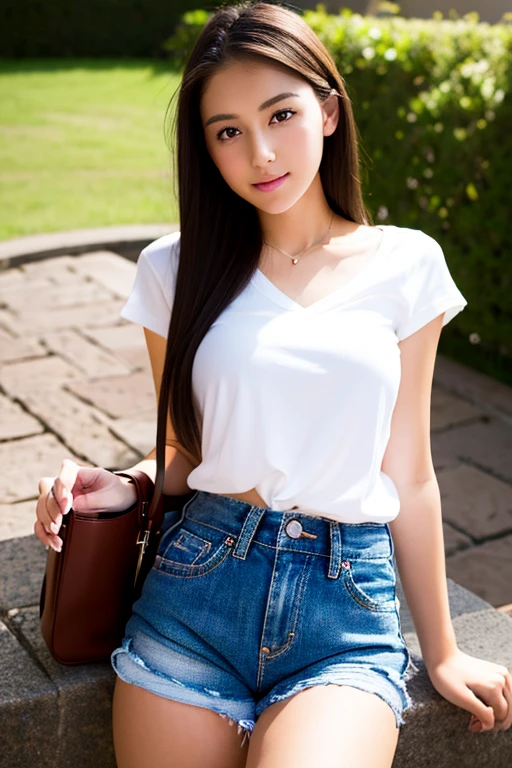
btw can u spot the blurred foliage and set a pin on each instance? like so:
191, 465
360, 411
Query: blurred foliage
185, 35
432, 100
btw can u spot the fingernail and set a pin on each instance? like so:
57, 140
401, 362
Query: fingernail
54, 527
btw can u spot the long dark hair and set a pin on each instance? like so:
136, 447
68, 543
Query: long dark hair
220, 234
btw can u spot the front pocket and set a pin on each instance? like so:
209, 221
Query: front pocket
186, 553
371, 583
186, 548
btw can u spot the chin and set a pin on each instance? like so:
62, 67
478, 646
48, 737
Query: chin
282, 205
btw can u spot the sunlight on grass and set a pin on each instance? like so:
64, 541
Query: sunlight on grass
82, 145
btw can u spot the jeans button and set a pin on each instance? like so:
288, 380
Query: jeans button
294, 529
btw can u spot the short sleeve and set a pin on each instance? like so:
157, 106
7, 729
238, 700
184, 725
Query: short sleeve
150, 301
428, 289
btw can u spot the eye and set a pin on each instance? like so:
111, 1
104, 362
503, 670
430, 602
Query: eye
282, 112
231, 128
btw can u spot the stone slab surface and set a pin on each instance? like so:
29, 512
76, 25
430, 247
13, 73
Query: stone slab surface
18, 519
486, 444
485, 569
101, 313
26, 297
475, 387
52, 715
80, 428
14, 348
57, 270
117, 396
29, 711
16, 422
436, 729
25, 461
43, 373
126, 342
454, 540
84, 699
138, 431
107, 269
447, 410
23, 564
476, 502
84, 354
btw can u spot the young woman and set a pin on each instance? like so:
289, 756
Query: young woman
292, 346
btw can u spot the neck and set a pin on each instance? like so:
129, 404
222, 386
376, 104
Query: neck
302, 225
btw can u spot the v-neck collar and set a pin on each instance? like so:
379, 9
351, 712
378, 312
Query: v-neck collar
275, 294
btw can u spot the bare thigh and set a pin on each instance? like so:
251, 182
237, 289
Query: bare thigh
150, 731
332, 726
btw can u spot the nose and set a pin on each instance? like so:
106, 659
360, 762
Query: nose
261, 151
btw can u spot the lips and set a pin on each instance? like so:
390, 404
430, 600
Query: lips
271, 183
267, 179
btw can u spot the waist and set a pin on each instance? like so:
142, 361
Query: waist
251, 497
299, 529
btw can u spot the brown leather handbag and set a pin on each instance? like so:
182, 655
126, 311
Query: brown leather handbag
90, 585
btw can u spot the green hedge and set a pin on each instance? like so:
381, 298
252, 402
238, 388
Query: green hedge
433, 103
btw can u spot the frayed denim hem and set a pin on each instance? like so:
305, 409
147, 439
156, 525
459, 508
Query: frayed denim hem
149, 679
247, 726
364, 679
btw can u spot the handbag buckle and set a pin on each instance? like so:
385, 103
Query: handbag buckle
143, 545
144, 541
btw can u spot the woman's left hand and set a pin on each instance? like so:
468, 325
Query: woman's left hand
481, 687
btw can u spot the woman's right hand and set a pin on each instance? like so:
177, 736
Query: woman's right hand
84, 489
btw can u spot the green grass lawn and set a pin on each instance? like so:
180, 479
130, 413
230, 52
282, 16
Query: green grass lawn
83, 145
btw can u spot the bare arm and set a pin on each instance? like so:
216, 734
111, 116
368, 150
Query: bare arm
417, 530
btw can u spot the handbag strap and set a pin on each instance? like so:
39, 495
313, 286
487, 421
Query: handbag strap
156, 512
151, 514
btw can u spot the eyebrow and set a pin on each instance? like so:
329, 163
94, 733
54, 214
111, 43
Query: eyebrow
263, 106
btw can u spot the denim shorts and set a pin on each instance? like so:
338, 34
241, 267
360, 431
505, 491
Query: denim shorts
245, 606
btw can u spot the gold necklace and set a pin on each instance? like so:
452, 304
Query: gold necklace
323, 240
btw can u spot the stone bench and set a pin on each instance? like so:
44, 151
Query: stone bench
53, 716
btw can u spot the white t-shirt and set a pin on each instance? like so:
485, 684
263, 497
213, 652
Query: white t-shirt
297, 402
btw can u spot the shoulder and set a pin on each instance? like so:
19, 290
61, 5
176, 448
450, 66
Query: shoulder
158, 263
414, 251
418, 240
162, 255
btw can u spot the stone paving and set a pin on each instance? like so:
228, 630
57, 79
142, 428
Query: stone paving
75, 382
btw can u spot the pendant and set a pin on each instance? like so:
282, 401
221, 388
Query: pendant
294, 261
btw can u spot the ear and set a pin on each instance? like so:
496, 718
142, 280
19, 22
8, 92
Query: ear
331, 113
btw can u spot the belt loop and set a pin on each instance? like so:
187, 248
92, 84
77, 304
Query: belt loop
248, 530
336, 550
